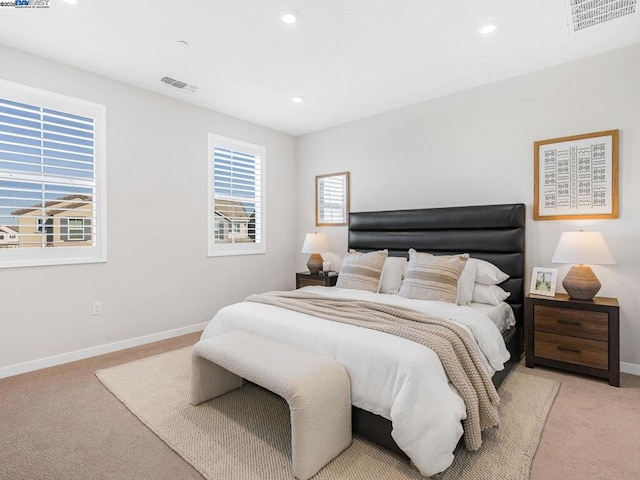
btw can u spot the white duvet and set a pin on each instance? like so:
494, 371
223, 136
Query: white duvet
398, 379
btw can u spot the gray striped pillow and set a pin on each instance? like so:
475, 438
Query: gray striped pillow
361, 271
431, 277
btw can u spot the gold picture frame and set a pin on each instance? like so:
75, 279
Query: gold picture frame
332, 199
576, 177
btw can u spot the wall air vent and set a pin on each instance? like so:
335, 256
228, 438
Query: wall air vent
583, 14
180, 85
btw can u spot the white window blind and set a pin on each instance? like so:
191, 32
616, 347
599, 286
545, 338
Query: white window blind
51, 177
236, 197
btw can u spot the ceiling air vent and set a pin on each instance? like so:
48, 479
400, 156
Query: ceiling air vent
583, 14
180, 85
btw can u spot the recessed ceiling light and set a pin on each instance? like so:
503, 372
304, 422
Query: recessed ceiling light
297, 99
487, 29
289, 17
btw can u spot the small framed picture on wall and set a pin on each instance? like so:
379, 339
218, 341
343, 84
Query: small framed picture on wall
543, 281
332, 199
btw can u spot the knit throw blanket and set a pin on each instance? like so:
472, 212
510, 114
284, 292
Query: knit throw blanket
449, 341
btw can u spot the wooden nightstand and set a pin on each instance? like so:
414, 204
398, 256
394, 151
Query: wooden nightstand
304, 279
578, 335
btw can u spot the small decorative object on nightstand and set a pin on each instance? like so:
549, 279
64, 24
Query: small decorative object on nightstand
581, 336
304, 279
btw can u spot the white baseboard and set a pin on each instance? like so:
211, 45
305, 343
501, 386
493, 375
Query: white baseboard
631, 368
52, 361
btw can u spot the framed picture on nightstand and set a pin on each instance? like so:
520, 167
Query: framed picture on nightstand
543, 281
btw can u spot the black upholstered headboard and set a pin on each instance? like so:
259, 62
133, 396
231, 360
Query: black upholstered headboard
495, 233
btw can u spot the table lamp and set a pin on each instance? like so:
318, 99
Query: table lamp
315, 244
582, 247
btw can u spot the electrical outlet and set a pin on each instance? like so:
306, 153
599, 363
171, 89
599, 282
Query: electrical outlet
96, 308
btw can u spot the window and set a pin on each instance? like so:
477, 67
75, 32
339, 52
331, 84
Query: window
219, 233
236, 198
77, 229
52, 172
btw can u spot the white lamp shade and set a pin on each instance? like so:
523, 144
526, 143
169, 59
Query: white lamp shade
583, 247
315, 243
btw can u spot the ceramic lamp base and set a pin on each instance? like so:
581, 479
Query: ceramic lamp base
315, 263
581, 283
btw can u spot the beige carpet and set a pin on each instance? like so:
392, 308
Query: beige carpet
246, 434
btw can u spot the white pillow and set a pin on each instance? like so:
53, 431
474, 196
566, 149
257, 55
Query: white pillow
487, 273
393, 272
466, 282
489, 294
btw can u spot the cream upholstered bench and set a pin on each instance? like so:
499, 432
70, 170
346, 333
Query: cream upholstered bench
315, 387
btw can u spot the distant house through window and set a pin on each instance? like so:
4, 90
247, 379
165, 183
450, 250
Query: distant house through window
52, 171
8, 237
236, 197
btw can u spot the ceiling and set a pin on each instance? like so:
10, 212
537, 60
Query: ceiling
349, 59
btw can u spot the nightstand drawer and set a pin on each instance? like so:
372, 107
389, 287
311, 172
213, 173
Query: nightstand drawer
580, 351
305, 282
576, 323
306, 279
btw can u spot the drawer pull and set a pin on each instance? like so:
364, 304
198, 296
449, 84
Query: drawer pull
568, 322
565, 349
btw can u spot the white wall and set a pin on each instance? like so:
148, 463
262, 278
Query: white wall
476, 147
158, 276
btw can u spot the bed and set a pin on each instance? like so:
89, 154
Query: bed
493, 233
